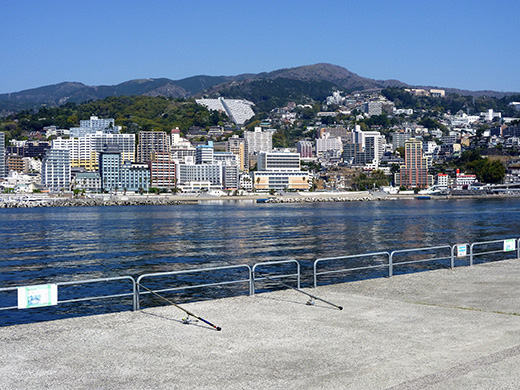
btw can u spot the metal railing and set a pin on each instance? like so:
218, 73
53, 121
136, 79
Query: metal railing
193, 271
272, 270
90, 298
276, 276
418, 251
501, 244
351, 257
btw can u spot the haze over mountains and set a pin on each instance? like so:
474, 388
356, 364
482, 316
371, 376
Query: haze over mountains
314, 81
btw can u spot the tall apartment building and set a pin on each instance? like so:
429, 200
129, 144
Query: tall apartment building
268, 161
369, 150
84, 151
414, 172
3, 171
151, 142
328, 143
238, 146
341, 132
55, 174
279, 171
398, 139
259, 140
180, 153
29, 149
230, 176
110, 162
93, 125
374, 147
117, 174
190, 173
15, 162
204, 153
373, 108
162, 171
353, 153
304, 148
135, 176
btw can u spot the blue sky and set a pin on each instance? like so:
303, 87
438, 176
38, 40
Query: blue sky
462, 44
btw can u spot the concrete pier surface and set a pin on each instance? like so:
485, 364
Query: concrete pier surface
445, 329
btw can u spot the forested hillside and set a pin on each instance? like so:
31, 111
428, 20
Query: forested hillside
134, 113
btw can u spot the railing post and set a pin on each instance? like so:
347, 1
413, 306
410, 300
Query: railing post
134, 298
315, 277
518, 249
391, 265
471, 254
137, 298
452, 265
299, 272
251, 288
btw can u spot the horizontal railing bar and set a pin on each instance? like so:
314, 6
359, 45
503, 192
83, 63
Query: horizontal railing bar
97, 298
196, 270
354, 256
8, 308
491, 242
275, 276
429, 259
420, 261
352, 269
94, 280
490, 252
422, 249
195, 286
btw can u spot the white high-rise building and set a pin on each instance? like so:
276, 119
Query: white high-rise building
371, 145
55, 173
269, 161
93, 125
280, 171
84, 151
328, 143
259, 140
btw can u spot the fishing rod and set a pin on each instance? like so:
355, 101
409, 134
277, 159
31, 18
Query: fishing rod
310, 301
189, 313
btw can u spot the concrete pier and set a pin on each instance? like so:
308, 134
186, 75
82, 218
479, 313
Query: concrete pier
445, 329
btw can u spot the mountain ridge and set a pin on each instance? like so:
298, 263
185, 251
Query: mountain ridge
321, 77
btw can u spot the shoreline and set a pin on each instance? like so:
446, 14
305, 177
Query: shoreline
44, 200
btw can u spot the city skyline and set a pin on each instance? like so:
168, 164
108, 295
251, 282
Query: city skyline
463, 44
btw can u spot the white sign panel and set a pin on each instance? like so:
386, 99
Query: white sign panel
509, 245
37, 296
462, 250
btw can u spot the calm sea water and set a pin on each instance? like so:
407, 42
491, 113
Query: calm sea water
46, 245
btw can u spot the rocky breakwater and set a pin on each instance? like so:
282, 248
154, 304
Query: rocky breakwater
85, 202
318, 199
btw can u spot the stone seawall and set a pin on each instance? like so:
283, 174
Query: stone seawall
26, 202
60, 202
316, 199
